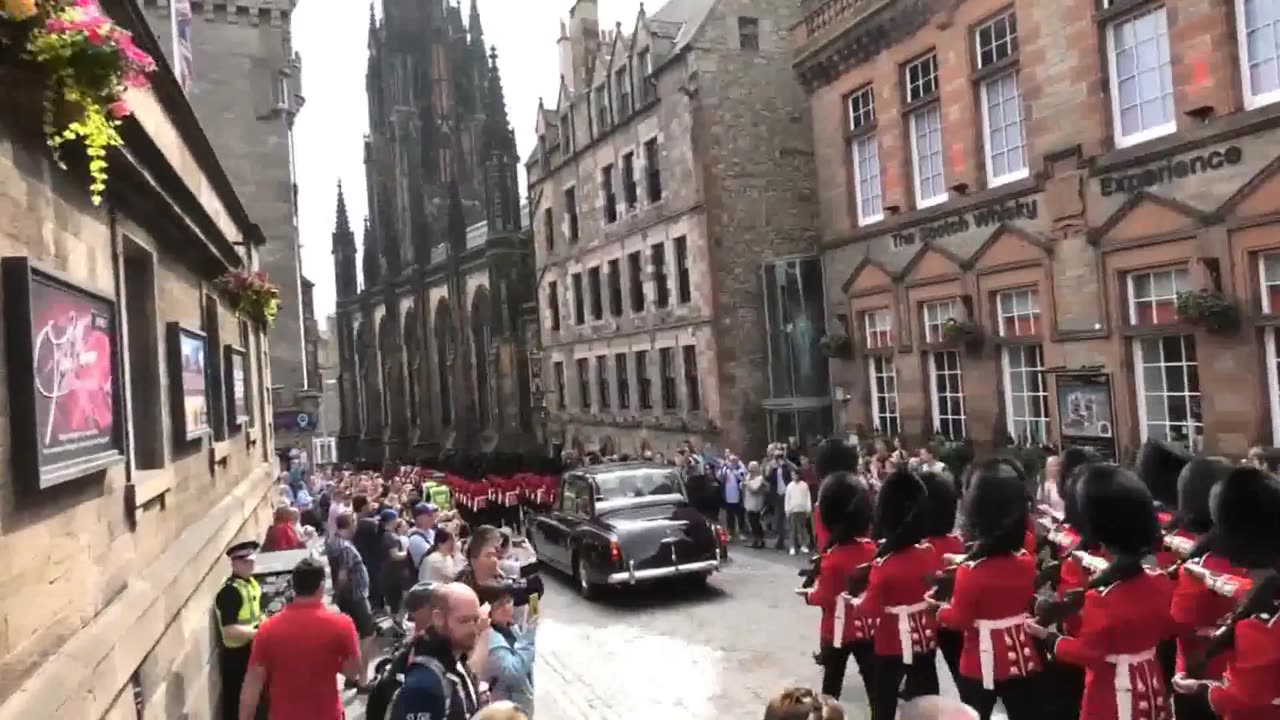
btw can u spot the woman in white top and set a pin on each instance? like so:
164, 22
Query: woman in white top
441, 562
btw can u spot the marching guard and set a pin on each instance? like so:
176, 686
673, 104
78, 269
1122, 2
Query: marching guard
1196, 610
844, 504
1246, 508
942, 537
1125, 611
906, 639
993, 590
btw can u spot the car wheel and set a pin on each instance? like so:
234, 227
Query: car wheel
586, 588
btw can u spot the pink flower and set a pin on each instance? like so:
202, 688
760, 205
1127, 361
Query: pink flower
119, 109
95, 37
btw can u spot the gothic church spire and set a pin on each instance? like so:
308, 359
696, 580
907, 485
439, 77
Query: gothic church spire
498, 138
342, 224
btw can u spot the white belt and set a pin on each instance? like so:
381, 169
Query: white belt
986, 645
1124, 680
837, 636
904, 613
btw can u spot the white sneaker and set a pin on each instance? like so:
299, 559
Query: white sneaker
804, 550
792, 551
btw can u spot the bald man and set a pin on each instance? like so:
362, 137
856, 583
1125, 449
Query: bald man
439, 684
935, 707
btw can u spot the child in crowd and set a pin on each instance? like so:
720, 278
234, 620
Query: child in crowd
799, 507
802, 704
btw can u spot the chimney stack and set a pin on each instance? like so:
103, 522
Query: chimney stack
584, 41
564, 45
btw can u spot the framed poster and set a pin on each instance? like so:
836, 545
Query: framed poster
63, 355
234, 364
189, 382
1085, 414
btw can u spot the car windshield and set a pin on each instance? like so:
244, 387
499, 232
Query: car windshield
637, 483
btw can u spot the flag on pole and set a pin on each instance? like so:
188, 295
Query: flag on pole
180, 16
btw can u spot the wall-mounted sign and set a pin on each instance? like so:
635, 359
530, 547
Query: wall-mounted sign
982, 217
294, 420
63, 377
1170, 170
188, 382
1085, 413
234, 360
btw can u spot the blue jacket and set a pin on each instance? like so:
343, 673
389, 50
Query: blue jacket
510, 668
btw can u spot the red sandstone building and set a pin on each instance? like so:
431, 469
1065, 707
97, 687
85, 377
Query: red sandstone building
1015, 196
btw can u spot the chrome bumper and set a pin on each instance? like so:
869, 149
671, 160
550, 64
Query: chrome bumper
631, 575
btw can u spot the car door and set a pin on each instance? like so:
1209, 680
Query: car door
552, 535
577, 513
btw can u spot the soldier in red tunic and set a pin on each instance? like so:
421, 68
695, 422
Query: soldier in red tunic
1160, 465
1196, 610
1246, 508
994, 589
945, 541
844, 501
1126, 607
1064, 684
906, 640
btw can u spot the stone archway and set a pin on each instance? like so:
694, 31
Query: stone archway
481, 342
446, 353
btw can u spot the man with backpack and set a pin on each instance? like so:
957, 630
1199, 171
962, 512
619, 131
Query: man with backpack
421, 537
438, 683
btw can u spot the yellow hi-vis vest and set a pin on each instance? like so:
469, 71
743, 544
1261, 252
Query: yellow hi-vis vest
250, 609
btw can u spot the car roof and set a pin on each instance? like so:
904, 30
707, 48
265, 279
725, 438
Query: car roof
607, 468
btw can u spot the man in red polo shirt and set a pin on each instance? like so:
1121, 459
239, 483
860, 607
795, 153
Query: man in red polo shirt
299, 653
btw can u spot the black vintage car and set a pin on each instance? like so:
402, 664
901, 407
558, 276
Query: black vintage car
626, 523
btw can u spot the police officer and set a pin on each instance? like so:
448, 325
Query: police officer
239, 609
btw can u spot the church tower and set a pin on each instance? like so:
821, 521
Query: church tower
344, 252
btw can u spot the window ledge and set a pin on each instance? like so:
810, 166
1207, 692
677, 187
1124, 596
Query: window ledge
151, 484
219, 451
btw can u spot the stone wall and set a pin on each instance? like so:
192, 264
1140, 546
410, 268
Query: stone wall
244, 72
114, 573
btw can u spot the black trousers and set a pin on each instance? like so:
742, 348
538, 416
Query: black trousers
1020, 696
734, 521
757, 529
1063, 688
892, 675
1192, 707
835, 662
951, 644
232, 666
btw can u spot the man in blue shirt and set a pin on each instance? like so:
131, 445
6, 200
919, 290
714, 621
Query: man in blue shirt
438, 684
732, 474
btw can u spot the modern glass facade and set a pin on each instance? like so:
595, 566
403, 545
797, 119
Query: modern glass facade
800, 390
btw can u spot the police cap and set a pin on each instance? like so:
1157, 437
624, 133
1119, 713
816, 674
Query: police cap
243, 550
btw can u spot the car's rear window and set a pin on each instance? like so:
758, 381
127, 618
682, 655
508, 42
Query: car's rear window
637, 483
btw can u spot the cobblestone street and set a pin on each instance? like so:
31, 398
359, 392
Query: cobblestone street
677, 653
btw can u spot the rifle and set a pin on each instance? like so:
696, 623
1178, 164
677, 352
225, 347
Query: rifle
810, 574
1050, 611
1257, 599
944, 581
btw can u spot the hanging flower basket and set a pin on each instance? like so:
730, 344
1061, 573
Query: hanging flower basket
88, 63
960, 332
835, 345
252, 294
1210, 310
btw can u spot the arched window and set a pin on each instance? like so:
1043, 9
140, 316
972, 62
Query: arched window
482, 339
443, 325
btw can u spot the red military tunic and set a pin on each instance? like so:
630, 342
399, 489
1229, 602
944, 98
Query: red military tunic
1250, 689
820, 535
895, 599
950, 544
1196, 611
989, 604
1167, 558
838, 564
1121, 624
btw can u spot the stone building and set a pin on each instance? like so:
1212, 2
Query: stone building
1038, 219
673, 207
112, 559
431, 354
247, 89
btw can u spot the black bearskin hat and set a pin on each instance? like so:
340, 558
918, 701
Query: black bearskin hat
844, 506
1246, 515
902, 511
1194, 485
996, 506
1117, 510
1159, 465
1070, 465
943, 499
835, 455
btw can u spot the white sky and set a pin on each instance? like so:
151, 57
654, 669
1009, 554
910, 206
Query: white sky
332, 35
